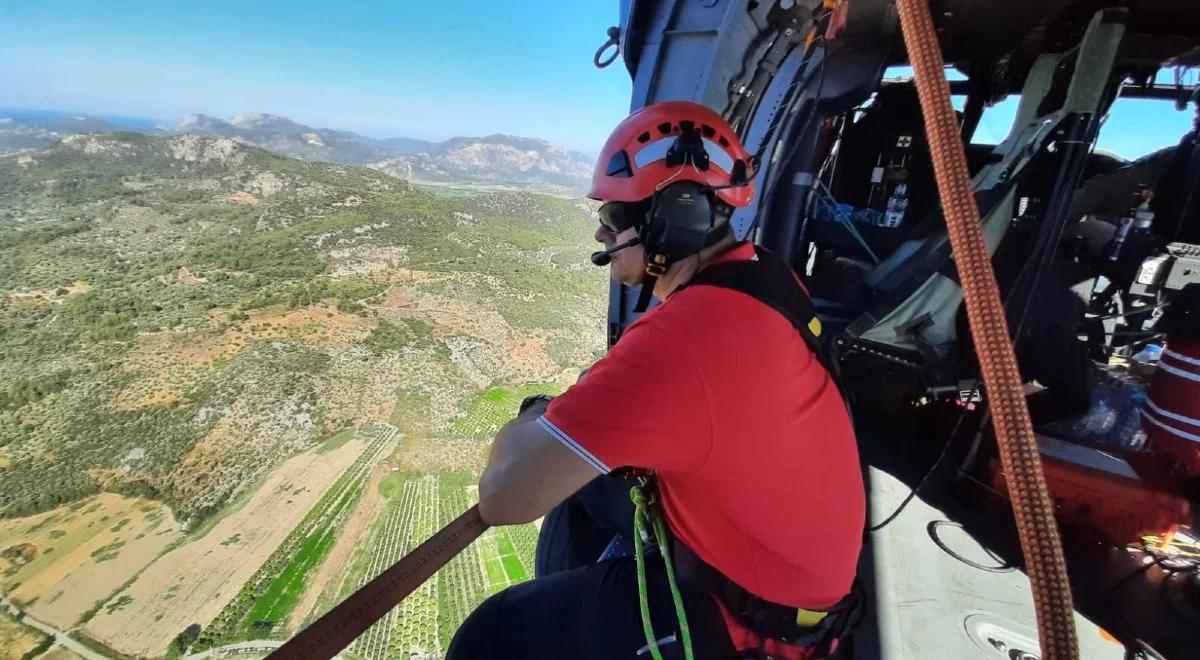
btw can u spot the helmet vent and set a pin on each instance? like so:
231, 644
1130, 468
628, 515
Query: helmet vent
618, 165
671, 142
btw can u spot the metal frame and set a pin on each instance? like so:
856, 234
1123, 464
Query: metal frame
1033, 129
700, 51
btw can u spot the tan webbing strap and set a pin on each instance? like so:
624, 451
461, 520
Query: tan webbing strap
343, 624
1032, 507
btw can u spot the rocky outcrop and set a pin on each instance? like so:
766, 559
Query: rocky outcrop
195, 149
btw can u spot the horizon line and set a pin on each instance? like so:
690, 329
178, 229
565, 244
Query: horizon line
161, 123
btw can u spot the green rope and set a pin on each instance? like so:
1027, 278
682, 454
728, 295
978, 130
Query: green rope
644, 517
639, 522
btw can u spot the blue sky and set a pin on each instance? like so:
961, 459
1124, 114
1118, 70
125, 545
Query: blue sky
1134, 127
386, 68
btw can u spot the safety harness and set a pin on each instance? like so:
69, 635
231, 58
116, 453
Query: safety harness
772, 282
769, 280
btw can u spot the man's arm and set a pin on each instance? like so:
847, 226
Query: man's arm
528, 472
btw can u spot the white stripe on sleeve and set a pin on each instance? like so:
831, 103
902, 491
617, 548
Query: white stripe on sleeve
569, 442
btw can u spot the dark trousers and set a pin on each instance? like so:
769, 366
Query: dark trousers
576, 532
578, 608
589, 613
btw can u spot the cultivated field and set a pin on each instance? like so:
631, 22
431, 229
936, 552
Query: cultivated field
188, 330
60, 564
415, 506
192, 583
263, 606
351, 537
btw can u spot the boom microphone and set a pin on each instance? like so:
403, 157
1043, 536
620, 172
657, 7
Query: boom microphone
603, 257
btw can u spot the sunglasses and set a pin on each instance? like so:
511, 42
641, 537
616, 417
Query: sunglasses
619, 216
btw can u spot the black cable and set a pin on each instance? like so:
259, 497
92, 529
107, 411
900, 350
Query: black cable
1135, 647
1116, 616
795, 147
757, 156
928, 473
819, 39
1050, 231
932, 528
983, 418
1042, 261
1143, 651
1136, 312
1188, 619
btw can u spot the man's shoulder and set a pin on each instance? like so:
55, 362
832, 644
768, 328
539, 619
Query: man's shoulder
704, 312
697, 309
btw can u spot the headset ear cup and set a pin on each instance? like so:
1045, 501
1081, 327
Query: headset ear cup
679, 225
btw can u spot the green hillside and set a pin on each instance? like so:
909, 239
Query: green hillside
179, 314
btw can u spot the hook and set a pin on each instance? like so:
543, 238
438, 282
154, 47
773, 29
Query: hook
614, 42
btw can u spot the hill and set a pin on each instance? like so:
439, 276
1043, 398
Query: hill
285, 137
28, 132
502, 160
494, 161
179, 314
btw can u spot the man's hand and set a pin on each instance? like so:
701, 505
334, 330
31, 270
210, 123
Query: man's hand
536, 402
529, 471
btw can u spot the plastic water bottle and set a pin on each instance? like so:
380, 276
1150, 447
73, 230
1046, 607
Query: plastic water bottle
1113, 419
1127, 432
897, 206
1151, 353
1144, 363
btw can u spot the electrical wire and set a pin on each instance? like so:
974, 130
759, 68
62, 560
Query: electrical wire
953, 433
774, 182
1136, 312
1143, 651
1042, 261
770, 130
817, 41
1046, 250
928, 473
932, 528
1135, 647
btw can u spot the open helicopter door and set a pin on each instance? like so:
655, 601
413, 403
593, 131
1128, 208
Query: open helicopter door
777, 71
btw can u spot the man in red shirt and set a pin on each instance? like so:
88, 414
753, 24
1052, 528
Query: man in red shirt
715, 392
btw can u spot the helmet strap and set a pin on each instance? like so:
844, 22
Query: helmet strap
647, 293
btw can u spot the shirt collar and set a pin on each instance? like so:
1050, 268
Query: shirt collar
743, 251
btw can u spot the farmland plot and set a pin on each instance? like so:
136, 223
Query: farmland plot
424, 623
193, 583
264, 604
411, 627
461, 585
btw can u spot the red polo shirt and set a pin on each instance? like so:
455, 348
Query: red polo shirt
754, 451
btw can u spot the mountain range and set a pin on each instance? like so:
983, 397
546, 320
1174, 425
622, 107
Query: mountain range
498, 161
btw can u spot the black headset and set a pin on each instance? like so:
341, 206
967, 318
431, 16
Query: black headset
682, 218
681, 222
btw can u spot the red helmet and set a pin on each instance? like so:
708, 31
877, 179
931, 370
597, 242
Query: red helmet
635, 162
